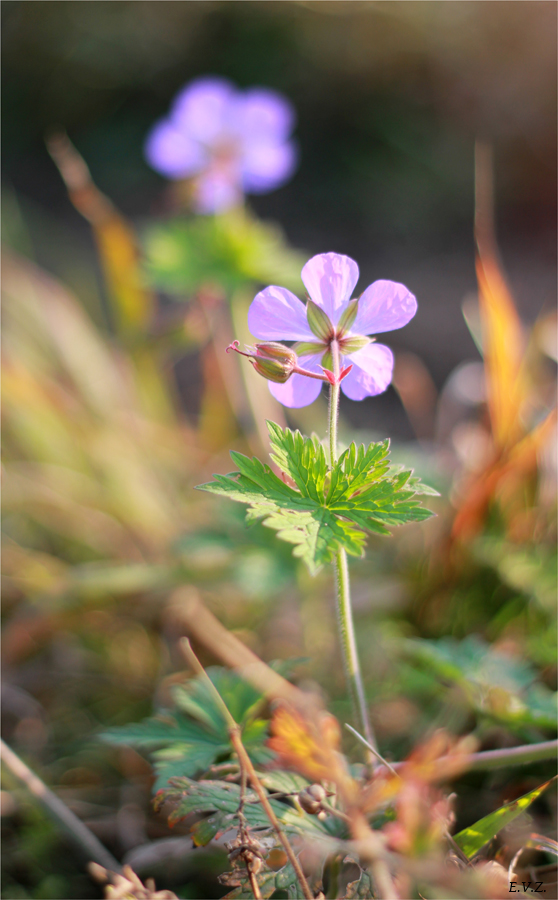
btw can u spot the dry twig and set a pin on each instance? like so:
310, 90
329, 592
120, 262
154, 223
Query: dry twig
246, 764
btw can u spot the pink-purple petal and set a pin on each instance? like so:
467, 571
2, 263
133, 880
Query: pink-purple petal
371, 372
277, 315
216, 191
330, 279
266, 166
384, 306
299, 390
260, 114
173, 153
201, 109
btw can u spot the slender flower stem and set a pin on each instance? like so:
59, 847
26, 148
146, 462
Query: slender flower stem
346, 626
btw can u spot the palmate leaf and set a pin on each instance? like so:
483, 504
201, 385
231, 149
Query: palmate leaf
361, 889
190, 740
330, 507
220, 800
494, 683
268, 882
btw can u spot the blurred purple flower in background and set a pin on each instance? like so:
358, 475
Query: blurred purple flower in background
231, 142
330, 278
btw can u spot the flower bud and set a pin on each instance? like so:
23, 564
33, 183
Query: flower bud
270, 359
274, 350
273, 361
311, 799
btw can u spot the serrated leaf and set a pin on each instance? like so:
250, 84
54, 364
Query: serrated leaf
285, 877
196, 698
221, 799
361, 889
266, 884
154, 731
331, 507
302, 458
230, 249
188, 742
494, 683
278, 780
473, 839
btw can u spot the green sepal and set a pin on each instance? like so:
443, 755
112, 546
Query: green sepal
353, 343
327, 360
319, 321
347, 318
307, 348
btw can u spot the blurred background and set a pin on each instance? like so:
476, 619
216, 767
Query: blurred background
118, 400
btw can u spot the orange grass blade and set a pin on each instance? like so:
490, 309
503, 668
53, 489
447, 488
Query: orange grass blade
115, 238
503, 353
502, 332
521, 460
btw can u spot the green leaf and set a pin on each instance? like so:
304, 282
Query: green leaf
188, 742
268, 882
495, 684
361, 889
472, 839
157, 731
302, 458
330, 508
229, 250
278, 781
220, 800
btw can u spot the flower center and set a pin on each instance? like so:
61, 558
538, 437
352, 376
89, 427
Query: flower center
321, 325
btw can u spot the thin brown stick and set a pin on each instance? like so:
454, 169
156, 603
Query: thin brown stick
372, 853
236, 741
385, 887
87, 842
507, 756
243, 835
201, 624
246, 763
254, 884
194, 618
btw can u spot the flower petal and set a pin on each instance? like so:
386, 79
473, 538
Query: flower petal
330, 279
371, 372
172, 153
299, 390
201, 109
266, 166
261, 114
384, 306
276, 314
216, 191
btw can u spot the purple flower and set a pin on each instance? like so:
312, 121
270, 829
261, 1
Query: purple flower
330, 316
231, 142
